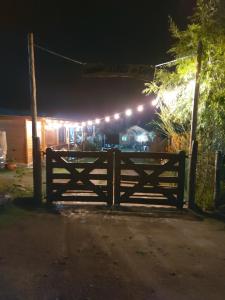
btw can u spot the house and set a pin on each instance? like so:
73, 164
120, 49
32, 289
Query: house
52, 132
135, 138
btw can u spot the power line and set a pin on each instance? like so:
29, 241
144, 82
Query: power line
173, 61
84, 63
60, 55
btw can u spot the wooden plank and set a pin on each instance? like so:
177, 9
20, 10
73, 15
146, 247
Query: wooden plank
192, 175
150, 155
150, 201
110, 173
117, 178
75, 186
181, 179
89, 176
80, 154
140, 167
48, 175
78, 199
158, 189
92, 166
166, 179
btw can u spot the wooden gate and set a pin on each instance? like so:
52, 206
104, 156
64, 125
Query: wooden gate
149, 178
79, 176
115, 177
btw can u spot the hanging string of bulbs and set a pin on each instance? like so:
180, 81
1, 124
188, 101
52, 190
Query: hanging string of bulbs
54, 123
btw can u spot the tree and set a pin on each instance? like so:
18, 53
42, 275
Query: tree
174, 83
173, 86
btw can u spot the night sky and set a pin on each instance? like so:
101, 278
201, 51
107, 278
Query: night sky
110, 32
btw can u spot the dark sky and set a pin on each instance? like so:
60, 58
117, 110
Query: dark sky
111, 32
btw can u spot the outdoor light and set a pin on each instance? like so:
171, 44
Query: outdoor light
140, 108
107, 119
83, 124
142, 138
90, 123
154, 102
68, 125
128, 112
97, 121
56, 124
116, 116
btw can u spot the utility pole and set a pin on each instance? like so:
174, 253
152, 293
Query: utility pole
37, 169
194, 119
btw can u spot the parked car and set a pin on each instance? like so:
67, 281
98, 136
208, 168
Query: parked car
110, 146
2, 159
3, 149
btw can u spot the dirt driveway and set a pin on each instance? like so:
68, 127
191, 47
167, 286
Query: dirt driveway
99, 255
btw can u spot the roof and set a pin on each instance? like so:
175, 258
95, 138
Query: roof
136, 130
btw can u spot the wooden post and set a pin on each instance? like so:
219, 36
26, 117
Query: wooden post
48, 175
110, 181
37, 169
217, 178
196, 95
181, 180
117, 177
192, 175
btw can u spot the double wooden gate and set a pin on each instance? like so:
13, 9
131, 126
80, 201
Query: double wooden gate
115, 177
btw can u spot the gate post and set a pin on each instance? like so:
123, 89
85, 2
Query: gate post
110, 159
117, 162
48, 175
192, 175
181, 180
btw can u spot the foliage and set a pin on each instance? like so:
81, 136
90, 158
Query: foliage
15, 184
174, 83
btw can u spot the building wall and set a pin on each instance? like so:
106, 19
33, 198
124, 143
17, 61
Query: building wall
51, 137
29, 148
19, 137
14, 126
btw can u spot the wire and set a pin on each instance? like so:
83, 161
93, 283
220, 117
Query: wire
60, 55
84, 63
173, 61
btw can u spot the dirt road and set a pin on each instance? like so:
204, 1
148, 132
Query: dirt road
87, 255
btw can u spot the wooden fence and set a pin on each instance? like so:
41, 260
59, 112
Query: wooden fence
115, 177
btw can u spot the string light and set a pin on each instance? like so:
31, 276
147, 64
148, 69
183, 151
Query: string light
56, 124
128, 112
116, 116
140, 108
154, 102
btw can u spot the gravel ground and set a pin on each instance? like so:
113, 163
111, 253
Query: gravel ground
87, 254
